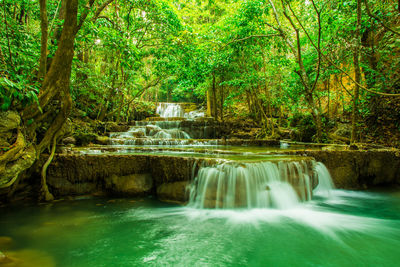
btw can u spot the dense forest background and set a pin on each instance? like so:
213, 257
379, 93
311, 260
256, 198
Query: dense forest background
277, 63
268, 61
312, 70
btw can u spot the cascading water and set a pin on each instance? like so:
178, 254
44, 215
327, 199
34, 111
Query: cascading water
170, 110
160, 133
325, 184
195, 114
151, 133
267, 184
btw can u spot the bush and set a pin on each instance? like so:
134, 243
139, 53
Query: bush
304, 125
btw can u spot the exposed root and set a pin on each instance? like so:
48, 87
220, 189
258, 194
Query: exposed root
13, 154
45, 194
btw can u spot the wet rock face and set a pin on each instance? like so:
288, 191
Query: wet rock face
360, 169
173, 192
130, 185
168, 177
120, 175
85, 174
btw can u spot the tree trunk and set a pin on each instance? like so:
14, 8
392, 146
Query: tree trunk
61, 16
327, 88
208, 104
43, 49
316, 114
214, 98
55, 86
221, 95
357, 72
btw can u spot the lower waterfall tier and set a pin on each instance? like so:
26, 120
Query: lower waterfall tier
258, 185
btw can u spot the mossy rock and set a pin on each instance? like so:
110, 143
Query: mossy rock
103, 140
8, 121
173, 192
115, 127
83, 139
343, 130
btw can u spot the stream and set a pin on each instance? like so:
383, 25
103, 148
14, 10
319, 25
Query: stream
254, 206
347, 229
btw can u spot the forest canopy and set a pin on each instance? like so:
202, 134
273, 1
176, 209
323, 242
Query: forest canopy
265, 60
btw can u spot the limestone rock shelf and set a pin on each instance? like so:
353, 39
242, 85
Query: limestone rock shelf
167, 176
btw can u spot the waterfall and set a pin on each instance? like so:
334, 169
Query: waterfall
195, 114
161, 133
152, 133
325, 184
169, 110
265, 184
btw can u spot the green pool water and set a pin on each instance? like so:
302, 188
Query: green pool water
347, 229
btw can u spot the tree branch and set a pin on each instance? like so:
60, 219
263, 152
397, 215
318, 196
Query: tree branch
100, 9
378, 19
110, 21
43, 43
319, 45
249, 37
279, 28
84, 15
151, 84
337, 67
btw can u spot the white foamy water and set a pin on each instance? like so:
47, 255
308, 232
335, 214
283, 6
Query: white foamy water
325, 184
265, 184
170, 110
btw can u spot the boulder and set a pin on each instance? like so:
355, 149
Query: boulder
103, 140
343, 130
173, 192
130, 185
111, 126
69, 140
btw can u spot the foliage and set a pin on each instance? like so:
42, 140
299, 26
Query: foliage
19, 54
226, 52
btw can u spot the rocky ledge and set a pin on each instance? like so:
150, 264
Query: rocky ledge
359, 169
167, 176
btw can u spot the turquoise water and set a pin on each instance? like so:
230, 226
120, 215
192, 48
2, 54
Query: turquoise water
348, 229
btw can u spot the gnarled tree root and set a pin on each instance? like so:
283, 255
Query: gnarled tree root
45, 194
12, 155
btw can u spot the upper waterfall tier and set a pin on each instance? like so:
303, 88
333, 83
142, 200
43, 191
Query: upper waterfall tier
170, 110
151, 133
175, 110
